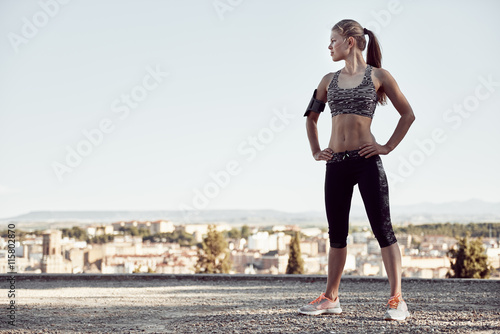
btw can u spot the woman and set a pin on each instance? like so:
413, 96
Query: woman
353, 157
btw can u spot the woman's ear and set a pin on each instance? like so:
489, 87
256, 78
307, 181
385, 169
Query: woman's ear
351, 41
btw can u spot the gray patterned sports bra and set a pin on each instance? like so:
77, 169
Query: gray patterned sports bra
360, 100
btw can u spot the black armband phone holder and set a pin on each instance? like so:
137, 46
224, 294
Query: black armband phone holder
315, 105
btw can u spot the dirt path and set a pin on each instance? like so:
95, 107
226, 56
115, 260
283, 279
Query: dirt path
248, 306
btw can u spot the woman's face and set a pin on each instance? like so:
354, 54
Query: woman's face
338, 46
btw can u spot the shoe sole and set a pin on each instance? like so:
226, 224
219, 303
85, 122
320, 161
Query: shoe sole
407, 314
337, 310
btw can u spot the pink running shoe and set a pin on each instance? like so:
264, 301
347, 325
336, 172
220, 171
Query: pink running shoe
397, 309
320, 305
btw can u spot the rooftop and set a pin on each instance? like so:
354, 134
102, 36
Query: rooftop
218, 303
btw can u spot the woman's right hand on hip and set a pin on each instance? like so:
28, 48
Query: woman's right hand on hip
326, 154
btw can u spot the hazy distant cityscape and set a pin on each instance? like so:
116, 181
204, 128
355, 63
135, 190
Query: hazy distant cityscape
258, 243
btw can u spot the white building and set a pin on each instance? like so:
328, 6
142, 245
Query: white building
260, 241
311, 232
264, 242
96, 230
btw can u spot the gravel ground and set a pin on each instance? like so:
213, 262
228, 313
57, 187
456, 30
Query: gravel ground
247, 306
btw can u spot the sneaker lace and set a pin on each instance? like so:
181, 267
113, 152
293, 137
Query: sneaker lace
320, 298
394, 301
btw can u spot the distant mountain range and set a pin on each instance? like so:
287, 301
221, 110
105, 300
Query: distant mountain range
459, 212
226, 216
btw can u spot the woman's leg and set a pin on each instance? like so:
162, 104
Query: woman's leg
391, 255
338, 194
336, 262
374, 190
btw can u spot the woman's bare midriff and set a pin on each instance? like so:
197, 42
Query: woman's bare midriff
349, 132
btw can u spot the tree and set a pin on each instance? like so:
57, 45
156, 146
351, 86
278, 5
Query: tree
213, 258
295, 261
234, 233
134, 231
245, 231
471, 260
75, 232
101, 239
177, 236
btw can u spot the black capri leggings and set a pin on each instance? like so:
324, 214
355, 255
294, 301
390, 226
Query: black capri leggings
343, 171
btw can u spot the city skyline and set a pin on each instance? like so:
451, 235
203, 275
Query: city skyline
156, 106
165, 247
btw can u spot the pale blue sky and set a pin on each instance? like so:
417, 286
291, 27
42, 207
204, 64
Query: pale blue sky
229, 74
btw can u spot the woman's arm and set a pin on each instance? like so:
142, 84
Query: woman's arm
312, 125
399, 101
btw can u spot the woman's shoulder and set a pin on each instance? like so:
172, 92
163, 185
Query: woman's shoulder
326, 79
323, 86
383, 78
380, 73
328, 76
